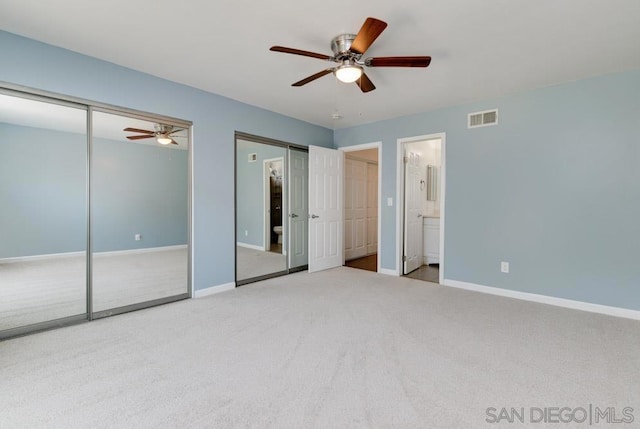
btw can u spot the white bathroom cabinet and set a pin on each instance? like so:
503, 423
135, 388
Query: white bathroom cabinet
431, 235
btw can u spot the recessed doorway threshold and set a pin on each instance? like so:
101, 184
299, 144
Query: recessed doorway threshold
427, 273
369, 263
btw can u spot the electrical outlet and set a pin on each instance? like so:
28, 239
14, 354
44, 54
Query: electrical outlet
389, 201
246, 233
138, 237
504, 267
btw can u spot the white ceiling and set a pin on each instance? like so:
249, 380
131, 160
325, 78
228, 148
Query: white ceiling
480, 49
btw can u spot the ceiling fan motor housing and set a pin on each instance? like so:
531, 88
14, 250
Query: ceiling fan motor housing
163, 128
340, 46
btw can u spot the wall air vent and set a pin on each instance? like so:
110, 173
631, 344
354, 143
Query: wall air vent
253, 157
483, 119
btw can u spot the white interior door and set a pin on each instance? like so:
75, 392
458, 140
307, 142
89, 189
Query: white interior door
412, 213
355, 210
298, 208
348, 209
372, 208
325, 208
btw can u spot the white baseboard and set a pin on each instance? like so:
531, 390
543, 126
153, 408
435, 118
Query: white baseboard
544, 299
250, 246
97, 254
388, 272
143, 250
41, 257
214, 289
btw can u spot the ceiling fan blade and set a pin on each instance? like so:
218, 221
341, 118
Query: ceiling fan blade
299, 52
365, 84
398, 61
141, 137
138, 130
173, 141
369, 32
312, 77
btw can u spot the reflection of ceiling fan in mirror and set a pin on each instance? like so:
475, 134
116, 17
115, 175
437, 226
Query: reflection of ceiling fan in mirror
163, 133
348, 51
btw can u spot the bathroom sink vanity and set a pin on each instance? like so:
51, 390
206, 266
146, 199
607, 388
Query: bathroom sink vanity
431, 237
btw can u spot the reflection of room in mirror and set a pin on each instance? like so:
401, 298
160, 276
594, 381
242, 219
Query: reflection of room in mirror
123, 278
261, 209
275, 205
254, 263
140, 215
43, 221
41, 288
271, 209
139, 206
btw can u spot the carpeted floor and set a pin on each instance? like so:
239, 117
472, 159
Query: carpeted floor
254, 263
48, 289
344, 348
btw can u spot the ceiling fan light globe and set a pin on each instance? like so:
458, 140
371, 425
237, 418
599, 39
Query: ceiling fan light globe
348, 73
163, 140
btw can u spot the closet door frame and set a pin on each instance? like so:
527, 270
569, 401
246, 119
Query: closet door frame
134, 114
288, 147
89, 107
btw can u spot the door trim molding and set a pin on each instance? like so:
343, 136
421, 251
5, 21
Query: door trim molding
266, 219
365, 146
400, 197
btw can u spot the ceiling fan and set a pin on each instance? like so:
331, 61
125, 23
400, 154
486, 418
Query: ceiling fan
348, 50
163, 133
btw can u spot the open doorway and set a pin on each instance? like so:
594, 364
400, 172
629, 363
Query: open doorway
361, 206
421, 207
273, 204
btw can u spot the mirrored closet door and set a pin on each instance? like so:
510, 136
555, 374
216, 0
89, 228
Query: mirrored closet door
94, 211
43, 215
271, 208
140, 211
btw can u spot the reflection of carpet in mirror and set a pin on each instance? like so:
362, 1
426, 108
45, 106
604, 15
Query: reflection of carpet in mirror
254, 263
34, 291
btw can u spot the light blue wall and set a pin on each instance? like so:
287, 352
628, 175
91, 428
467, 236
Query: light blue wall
43, 186
138, 189
250, 190
215, 118
554, 189
43, 191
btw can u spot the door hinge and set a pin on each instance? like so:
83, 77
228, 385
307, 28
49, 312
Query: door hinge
405, 159
404, 258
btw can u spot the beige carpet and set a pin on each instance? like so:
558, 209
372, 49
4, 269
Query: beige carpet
48, 289
254, 263
344, 348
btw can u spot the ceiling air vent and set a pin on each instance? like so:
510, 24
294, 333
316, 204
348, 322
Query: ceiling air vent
483, 119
